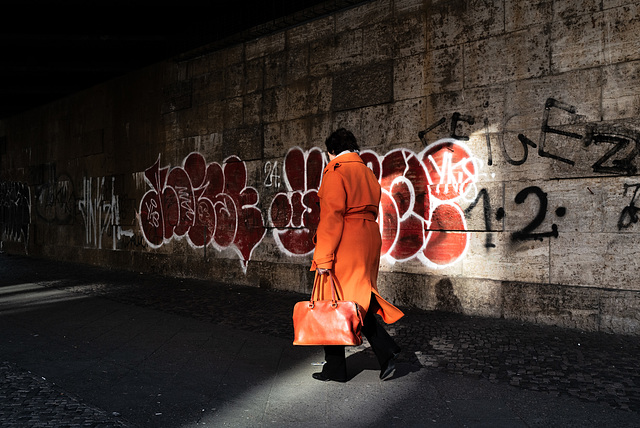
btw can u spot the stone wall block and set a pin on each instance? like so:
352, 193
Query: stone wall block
177, 96
567, 307
206, 88
297, 101
274, 102
254, 76
216, 116
509, 260
297, 64
348, 52
246, 143
459, 21
406, 117
408, 7
408, 289
322, 55
314, 30
619, 314
444, 69
577, 42
286, 277
620, 262
319, 99
565, 9
368, 13
622, 34
378, 42
273, 143
520, 15
234, 80
409, 78
265, 45
377, 131
621, 91
295, 133
362, 87
410, 36
485, 62
580, 259
525, 102
252, 109
233, 112
275, 70
476, 297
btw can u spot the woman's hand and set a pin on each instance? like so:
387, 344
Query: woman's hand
322, 271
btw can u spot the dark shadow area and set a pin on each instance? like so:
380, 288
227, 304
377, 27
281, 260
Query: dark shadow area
365, 360
447, 300
593, 367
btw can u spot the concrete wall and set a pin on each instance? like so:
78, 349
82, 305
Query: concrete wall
504, 133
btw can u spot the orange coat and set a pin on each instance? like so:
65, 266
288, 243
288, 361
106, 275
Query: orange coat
348, 236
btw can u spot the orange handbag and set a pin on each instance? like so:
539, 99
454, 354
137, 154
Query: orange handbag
327, 322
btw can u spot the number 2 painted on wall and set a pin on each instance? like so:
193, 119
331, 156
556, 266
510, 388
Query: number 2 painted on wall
527, 233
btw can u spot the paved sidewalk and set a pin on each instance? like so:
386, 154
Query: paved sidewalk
84, 346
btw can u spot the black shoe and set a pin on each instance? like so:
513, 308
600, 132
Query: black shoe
321, 377
388, 367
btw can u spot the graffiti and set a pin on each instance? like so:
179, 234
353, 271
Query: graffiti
455, 118
272, 177
629, 214
295, 214
208, 204
546, 129
55, 201
487, 211
15, 211
621, 143
100, 209
134, 241
421, 216
526, 143
527, 233
626, 142
488, 141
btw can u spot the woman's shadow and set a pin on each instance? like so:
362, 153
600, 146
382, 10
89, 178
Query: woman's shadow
365, 359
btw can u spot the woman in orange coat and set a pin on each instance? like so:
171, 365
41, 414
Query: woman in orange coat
348, 243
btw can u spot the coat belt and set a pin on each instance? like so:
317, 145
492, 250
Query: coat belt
363, 215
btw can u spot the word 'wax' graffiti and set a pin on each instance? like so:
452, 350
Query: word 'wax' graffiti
419, 212
206, 203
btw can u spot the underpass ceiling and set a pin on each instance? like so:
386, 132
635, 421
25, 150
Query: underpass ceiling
52, 49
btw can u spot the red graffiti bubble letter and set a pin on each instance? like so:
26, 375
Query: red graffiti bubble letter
295, 213
451, 173
207, 204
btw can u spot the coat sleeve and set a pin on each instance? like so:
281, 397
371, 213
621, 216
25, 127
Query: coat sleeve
333, 201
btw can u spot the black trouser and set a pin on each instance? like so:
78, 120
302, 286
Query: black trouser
383, 345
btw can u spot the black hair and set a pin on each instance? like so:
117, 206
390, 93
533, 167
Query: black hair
341, 140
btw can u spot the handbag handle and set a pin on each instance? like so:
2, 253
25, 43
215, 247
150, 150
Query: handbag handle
334, 292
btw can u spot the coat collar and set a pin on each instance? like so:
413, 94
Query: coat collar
343, 158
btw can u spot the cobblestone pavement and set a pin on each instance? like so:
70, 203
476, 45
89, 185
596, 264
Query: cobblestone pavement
31, 401
592, 367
